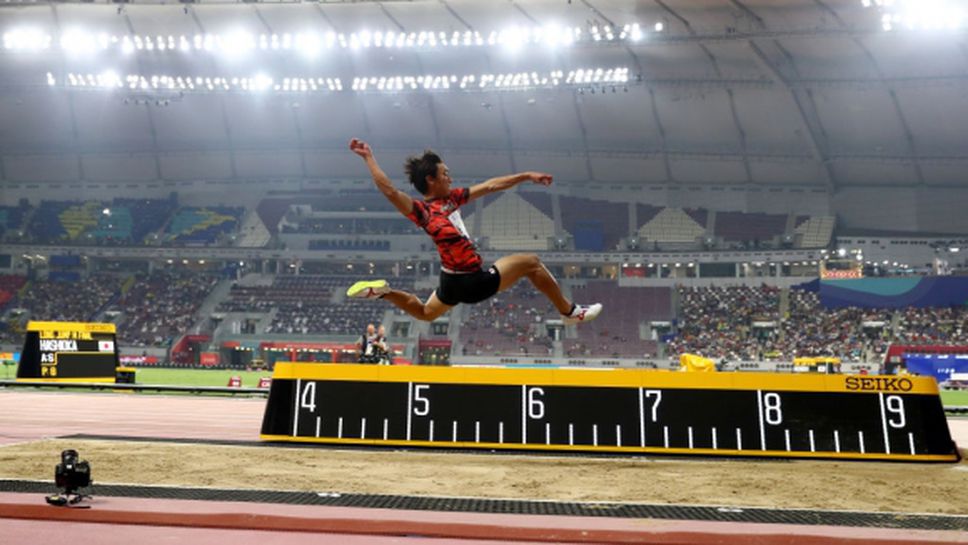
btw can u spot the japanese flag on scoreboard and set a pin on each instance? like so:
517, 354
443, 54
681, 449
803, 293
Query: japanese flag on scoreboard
105, 346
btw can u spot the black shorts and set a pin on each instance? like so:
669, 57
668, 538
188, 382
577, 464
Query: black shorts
468, 288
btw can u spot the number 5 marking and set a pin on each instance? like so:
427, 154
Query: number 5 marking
422, 404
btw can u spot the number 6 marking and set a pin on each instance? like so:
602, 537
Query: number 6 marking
536, 408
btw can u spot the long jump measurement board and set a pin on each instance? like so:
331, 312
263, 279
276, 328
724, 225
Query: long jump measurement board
615, 410
68, 352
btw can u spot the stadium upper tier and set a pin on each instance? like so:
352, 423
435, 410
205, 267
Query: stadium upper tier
532, 221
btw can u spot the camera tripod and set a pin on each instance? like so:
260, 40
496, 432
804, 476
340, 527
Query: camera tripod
70, 498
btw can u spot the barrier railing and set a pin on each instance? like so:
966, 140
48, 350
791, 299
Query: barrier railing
136, 387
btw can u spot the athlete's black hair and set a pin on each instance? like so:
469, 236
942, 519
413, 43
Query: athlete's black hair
418, 167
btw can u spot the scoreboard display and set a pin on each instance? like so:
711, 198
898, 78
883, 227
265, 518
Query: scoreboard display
68, 352
611, 410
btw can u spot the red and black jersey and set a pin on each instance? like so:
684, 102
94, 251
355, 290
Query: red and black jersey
441, 219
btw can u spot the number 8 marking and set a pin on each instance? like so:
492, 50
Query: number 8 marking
772, 412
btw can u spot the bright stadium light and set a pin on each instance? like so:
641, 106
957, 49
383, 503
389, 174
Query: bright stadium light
77, 42
592, 77
235, 44
920, 14
27, 39
239, 42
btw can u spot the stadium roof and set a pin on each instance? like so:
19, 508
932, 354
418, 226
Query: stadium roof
823, 93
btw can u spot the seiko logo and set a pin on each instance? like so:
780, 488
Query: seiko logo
885, 384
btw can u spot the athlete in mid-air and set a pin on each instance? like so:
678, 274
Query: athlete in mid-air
462, 276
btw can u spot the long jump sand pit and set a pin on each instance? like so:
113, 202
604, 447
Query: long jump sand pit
866, 486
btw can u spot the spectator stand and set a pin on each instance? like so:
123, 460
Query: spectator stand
618, 331
510, 323
203, 225
513, 222
158, 308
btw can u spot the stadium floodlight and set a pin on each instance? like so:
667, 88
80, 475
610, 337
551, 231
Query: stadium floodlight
920, 14
383, 83
75, 41
237, 42
27, 39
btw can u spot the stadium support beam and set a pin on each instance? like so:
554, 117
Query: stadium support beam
666, 164
662, 136
740, 131
148, 110
292, 106
584, 136
806, 113
500, 100
221, 104
536, 149
430, 97
576, 103
805, 106
912, 147
75, 138
891, 88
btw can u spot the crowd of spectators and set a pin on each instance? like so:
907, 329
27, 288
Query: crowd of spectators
284, 290
948, 325
351, 226
326, 318
344, 244
812, 330
510, 323
719, 321
742, 323
159, 307
58, 301
308, 310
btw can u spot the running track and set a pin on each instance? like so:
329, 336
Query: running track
30, 416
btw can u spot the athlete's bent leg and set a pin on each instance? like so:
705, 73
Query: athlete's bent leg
407, 302
410, 304
514, 267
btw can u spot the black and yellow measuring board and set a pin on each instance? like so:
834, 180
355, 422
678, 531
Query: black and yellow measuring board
611, 410
68, 352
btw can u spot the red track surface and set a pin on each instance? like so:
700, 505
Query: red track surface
28, 416
24, 518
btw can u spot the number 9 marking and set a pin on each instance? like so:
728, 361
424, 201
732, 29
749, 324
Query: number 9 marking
895, 405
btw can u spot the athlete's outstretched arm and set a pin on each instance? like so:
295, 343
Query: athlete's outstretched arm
401, 200
507, 182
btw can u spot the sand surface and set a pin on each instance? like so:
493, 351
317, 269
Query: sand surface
869, 486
